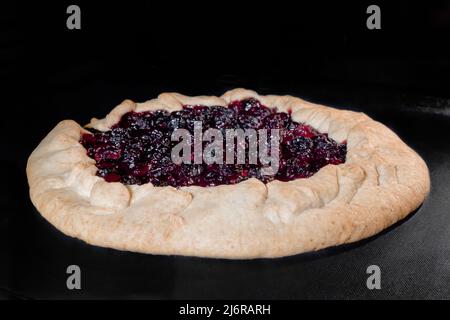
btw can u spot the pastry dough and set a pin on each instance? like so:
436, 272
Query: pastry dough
381, 182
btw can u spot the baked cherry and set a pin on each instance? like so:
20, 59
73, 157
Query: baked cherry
137, 150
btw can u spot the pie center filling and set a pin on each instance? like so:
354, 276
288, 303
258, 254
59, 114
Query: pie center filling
138, 149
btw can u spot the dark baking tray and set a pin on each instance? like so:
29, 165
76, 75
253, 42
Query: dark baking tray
414, 255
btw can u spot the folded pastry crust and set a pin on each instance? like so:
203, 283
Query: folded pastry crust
381, 182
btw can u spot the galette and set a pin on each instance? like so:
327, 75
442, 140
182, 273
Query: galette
239, 176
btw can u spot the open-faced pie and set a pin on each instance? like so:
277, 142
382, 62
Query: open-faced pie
340, 177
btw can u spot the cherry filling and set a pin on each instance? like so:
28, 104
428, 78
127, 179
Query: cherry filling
137, 150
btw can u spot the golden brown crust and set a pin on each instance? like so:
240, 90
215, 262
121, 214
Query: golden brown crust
381, 182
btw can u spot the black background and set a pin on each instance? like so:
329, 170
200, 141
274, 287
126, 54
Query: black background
323, 53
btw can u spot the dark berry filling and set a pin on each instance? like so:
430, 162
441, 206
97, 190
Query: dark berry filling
137, 150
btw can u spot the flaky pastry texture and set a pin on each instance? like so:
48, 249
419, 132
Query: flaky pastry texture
381, 182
